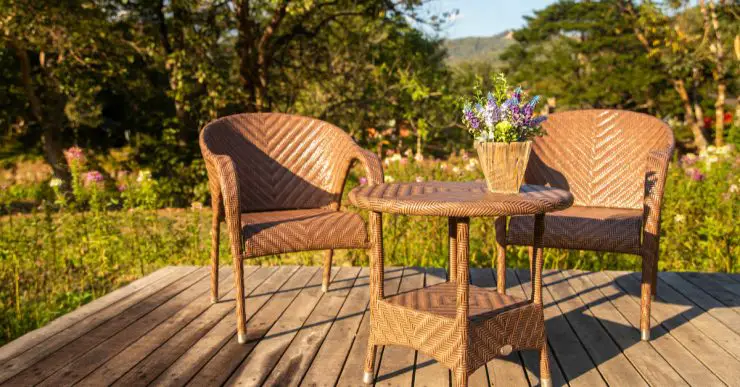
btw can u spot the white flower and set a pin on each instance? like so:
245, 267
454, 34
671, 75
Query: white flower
389, 179
55, 182
679, 218
409, 153
443, 166
724, 150
144, 175
734, 189
711, 149
471, 166
419, 157
419, 179
456, 170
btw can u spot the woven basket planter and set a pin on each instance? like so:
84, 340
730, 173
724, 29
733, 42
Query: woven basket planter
504, 164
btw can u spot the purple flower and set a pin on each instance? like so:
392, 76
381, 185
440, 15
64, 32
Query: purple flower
533, 101
537, 121
122, 187
492, 114
93, 177
517, 94
689, 159
363, 180
471, 118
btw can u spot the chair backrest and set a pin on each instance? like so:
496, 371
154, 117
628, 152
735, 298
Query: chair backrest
282, 161
599, 155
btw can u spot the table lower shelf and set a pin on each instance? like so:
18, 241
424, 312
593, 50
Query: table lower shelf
442, 300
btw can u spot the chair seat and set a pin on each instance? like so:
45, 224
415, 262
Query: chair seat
583, 228
277, 232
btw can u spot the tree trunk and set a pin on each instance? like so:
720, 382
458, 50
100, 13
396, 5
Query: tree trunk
50, 134
245, 47
719, 115
719, 105
700, 140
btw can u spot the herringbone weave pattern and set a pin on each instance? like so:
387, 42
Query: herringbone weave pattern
276, 232
612, 161
588, 228
598, 155
277, 180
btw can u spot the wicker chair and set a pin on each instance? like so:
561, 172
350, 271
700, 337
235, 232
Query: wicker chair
614, 162
277, 181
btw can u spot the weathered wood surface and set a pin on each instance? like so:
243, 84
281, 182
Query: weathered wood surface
163, 330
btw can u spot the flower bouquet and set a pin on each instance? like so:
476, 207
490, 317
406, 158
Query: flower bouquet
503, 124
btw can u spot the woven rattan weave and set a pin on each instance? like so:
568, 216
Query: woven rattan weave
614, 162
460, 325
277, 180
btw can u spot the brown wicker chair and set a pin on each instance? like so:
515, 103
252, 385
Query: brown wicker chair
614, 162
277, 181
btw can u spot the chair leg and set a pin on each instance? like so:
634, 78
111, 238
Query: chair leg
368, 375
646, 297
545, 377
530, 249
215, 231
327, 270
241, 317
501, 254
461, 378
654, 282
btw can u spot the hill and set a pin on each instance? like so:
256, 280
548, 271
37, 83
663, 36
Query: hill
478, 49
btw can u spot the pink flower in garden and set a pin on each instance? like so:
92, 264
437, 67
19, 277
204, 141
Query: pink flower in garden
695, 174
93, 177
122, 187
689, 159
403, 161
419, 179
74, 155
363, 180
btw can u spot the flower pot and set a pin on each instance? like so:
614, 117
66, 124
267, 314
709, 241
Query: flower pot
504, 164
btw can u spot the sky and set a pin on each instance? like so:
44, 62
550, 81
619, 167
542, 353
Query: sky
485, 17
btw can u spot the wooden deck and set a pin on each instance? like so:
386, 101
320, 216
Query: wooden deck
163, 330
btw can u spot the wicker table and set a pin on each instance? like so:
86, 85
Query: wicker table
460, 325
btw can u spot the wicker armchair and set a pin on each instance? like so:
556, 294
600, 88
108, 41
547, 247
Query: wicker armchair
277, 181
614, 162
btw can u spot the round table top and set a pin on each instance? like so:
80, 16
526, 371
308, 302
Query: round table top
458, 199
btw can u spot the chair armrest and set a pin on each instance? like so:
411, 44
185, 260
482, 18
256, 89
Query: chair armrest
655, 178
228, 182
371, 164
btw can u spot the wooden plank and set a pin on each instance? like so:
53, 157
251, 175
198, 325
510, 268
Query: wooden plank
297, 359
155, 363
670, 316
26, 359
44, 368
397, 362
712, 327
720, 311
187, 365
531, 359
503, 371
36, 336
427, 371
565, 345
611, 362
651, 365
117, 365
223, 363
726, 291
178, 311
329, 360
353, 367
680, 358
733, 276
260, 362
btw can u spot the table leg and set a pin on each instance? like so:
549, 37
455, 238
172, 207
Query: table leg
462, 300
376, 287
537, 265
501, 254
452, 234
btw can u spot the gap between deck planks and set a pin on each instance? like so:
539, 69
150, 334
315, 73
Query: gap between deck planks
162, 329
